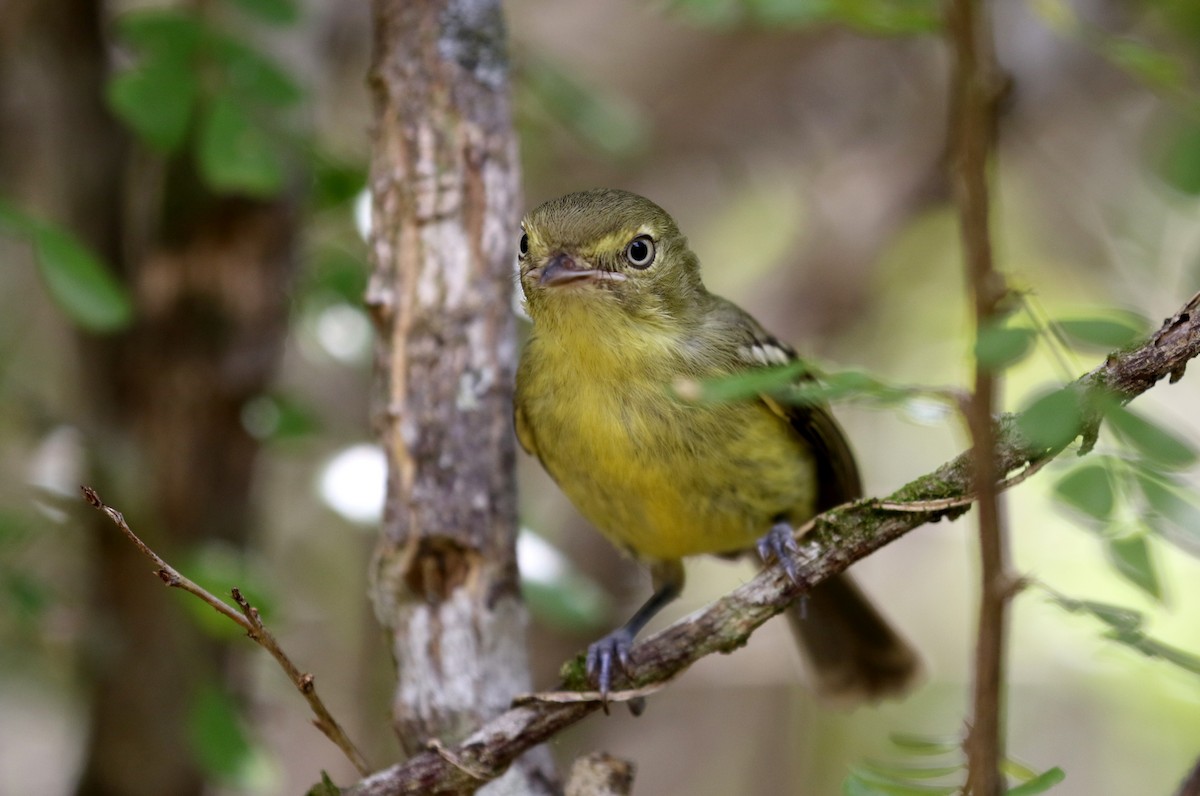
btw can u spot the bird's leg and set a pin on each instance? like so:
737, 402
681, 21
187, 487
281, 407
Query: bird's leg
668, 584
779, 544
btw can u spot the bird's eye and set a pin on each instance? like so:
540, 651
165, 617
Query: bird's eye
523, 246
640, 251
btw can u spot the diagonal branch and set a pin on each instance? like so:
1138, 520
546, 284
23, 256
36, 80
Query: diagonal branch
249, 620
838, 538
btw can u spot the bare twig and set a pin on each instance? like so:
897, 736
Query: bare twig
251, 622
972, 121
838, 538
966, 500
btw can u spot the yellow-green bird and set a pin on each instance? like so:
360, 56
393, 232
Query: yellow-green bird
620, 316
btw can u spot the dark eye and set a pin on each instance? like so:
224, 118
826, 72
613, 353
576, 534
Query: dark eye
640, 251
523, 246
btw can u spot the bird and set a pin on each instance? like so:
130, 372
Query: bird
620, 319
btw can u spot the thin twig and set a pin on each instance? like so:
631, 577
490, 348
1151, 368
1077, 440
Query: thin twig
250, 621
972, 124
926, 506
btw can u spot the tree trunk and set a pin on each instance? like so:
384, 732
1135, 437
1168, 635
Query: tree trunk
445, 188
164, 397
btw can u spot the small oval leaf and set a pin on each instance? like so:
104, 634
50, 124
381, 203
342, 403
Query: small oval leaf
155, 100
1175, 513
1088, 488
1104, 334
1130, 555
1150, 439
1052, 420
236, 155
1001, 346
80, 283
1039, 784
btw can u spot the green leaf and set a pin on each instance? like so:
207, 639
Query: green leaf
1052, 420
279, 417
861, 781
1104, 334
162, 35
1150, 439
1170, 502
842, 384
1131, 557
909, 773
789, 13
1157, 68
26, 595
80, 283
218, 568
155, 100
889, 17
276, 12
324, 788
1001, 346
571, 603
1178, 163
1088, 488
925, 744
335, 184
1153, 648
1116, 617
745, 385
236, 155
217, 735
1039, 784
607, 123
335, 269
252, 76
1017, 770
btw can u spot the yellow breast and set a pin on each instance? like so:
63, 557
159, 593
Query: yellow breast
659, 477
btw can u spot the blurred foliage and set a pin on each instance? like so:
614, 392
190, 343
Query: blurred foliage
879, 17
935, 766
552, 98
195, 84
81, 285
1125, 626
219, 738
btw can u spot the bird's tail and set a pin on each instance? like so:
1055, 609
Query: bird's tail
854, 654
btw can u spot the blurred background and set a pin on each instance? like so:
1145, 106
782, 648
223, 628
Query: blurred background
802, 147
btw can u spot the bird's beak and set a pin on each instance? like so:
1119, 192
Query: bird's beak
562, 269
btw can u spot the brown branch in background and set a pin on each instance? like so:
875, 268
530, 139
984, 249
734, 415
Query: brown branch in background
838, 538
249, 621
972, 124
1191, 785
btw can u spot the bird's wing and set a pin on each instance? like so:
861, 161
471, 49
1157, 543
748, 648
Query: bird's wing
838, 478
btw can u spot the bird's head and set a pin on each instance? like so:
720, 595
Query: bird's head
606, 253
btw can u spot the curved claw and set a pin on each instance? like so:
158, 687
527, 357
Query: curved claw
601, 655
779, 544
